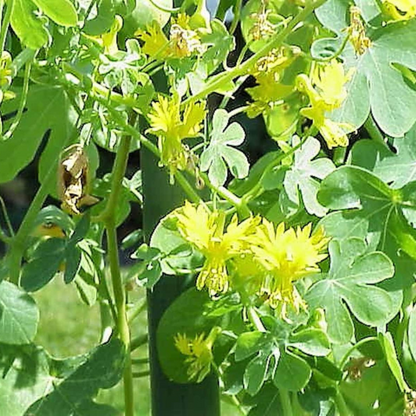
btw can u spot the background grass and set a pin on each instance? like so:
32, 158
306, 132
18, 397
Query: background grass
69, 327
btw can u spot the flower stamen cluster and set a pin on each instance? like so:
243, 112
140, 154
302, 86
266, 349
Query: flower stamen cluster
262, 27
356, 32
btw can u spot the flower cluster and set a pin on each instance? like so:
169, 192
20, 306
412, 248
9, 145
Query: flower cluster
198, 352
171, 125
251, 255
183, 41
326, 92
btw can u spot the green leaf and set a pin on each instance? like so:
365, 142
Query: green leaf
102, 22
49, 114
19, 315
396, 169
300, 177
61, 12
28, 26
376, 83
220, 44
53, 215
411, 331
177, 254
386, 341
72, 389
145, 13
87, 292
311, 341
350, 282
292, 372
256, 372
73, 257
266, 402
248, 343
219, 152
350, 187
186, 315
47, 258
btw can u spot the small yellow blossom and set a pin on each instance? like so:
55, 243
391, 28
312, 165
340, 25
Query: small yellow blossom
286, 255
182, 42
356, 32
171, 128
326, 91
155, 43
400, 9
6, 70
268, 71
205, 231
199, 353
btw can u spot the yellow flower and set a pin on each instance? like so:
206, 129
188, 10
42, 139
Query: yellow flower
268, 72
286, 256
330, 82
400, 9
205, 231
326, 91
171, 128
198, 351
356, 32
182, 42
155, 43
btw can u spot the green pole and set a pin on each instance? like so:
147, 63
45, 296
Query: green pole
168, 398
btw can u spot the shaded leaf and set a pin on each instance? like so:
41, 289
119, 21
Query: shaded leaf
19, 315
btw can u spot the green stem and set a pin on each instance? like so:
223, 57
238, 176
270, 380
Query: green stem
341, 405
227, 77
374, 132
109, 215
353, 348
19, 241
4, 237
222, 191
140, 361
6, 217
186, 186
5, 25
257, 189
137, 310
236, 19
139, 341
22, 102
27, 55
140, 374
255, 319
285, 402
